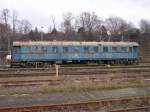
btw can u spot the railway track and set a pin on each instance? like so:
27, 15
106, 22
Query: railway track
7, 69
88, 105
53, 81
137, 109
71, 71
19, 83
93, 74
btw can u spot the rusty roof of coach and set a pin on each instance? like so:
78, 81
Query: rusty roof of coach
57, 43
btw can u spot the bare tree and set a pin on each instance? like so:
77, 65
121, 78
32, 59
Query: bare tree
53, 22
49, 29
89, 21
145, 26
102, 33
24, 26
14, 20
98, 25
116, 25
52, 27
4, 37
67, 23
5, 14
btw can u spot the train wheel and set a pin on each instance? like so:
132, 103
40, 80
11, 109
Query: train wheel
100, 62
116, 62
46, 65
112, 62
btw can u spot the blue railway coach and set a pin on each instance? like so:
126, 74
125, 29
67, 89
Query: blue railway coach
44, 53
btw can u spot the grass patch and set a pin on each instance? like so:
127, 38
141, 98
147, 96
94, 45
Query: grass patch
83, 86
90, 86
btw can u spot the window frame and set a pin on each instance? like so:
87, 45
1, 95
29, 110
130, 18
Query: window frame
115, 49
55, 49
135, 49
130, 49
65, 49
124, 49
105, 49
76, 49
86, 49
16, 49
96, 49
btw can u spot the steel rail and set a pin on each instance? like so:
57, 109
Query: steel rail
141, 109
73, 105
76, 71
73, 68
58, 81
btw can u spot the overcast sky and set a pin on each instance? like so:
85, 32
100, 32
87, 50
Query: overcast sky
39, 12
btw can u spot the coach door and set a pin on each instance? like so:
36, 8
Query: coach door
135, 51
16, 53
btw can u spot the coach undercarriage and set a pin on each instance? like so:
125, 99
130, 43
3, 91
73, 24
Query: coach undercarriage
40, 64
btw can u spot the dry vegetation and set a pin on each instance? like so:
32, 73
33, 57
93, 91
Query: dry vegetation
88, 85
84, 85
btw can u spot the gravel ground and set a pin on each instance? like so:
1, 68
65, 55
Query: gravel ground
54, 98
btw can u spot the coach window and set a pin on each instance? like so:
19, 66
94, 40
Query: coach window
123, 49
26, 49
134, 48
95, 49
16, 49
55, 49
76, 50
114, 49
44, 49
86, 49
105, 49
130, 49
65, 50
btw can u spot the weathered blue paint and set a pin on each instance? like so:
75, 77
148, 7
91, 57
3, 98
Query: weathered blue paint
46, 53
